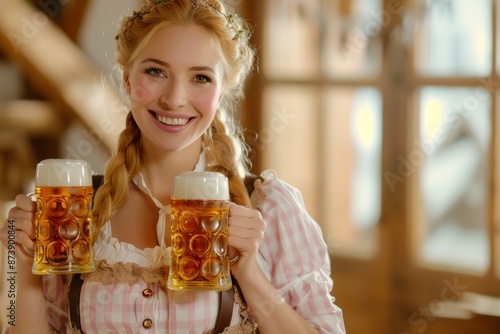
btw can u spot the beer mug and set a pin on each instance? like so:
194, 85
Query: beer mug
199, 230
63, 193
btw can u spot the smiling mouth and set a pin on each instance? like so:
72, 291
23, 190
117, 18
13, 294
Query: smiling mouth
175, 121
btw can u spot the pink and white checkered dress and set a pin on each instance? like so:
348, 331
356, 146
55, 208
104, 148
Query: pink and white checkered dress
127, 293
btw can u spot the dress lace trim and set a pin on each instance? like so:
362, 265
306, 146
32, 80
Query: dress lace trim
246, 325
73, 331
126, 273
130, 273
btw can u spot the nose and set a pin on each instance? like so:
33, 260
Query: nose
174, 95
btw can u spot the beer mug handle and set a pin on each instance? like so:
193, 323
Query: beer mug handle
25, 250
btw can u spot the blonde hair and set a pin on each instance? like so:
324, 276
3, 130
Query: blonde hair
223, 142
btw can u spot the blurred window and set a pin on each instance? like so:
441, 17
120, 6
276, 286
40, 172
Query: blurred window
321, 133
453, 150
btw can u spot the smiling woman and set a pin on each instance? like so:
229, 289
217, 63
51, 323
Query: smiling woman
181, 84
184, 65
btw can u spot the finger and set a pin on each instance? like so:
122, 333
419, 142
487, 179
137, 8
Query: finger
25, 203
17, 213
24, 254
233, 251
242, 211
30, 254
248, 223
25, 225
245, 233
242, 246
23, 243
24, 240
21, 220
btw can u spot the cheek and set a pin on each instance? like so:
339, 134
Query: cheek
142, 89
209, 102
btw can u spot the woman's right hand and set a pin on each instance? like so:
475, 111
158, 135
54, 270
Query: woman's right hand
20, 227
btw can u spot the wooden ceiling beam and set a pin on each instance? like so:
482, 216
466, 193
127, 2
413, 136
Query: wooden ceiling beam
72, 17
34, 118
60, 69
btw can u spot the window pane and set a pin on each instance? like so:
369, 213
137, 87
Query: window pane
455, 135
288, 140
291, 39
352, 200
455, 38
351, 44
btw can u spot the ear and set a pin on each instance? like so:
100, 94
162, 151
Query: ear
126, 81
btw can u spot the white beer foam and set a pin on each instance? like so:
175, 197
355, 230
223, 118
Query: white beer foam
201, 186
63, 172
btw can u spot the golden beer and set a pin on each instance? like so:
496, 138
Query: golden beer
63, 192
199, 228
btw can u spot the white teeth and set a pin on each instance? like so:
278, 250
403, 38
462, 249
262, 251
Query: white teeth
172, 121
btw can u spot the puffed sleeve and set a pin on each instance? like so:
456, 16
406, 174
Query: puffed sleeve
295, 256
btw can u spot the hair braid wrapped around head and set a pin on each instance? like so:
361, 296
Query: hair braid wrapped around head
121, 168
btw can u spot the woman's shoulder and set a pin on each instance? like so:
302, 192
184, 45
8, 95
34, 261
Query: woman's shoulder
271, 191
283, 208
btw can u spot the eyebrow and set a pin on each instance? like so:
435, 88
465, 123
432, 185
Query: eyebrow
162, 63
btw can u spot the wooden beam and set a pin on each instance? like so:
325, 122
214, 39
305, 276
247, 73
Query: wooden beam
72, 17
34, 118
60, 69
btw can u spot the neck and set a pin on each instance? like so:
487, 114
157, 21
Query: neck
159, 168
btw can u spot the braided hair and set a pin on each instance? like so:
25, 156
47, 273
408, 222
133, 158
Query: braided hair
226, 151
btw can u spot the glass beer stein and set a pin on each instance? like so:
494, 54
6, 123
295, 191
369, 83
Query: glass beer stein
63, 192
199, 229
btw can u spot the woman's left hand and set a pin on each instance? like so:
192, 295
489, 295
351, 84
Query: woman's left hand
246, 231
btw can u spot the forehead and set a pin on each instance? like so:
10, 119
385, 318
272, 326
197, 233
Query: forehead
182, 46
